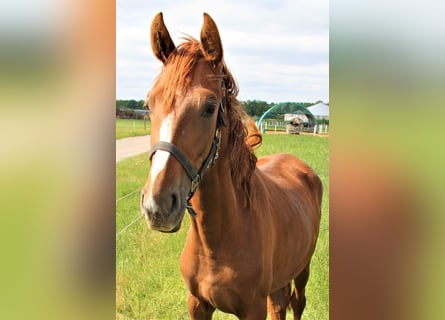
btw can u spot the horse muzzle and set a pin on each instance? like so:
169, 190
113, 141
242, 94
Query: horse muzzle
163, 212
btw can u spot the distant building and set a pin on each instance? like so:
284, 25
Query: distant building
297, 115
320, 110
141, 111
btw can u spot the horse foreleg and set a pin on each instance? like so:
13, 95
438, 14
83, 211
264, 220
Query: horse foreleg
199, 309
277, 303
298, 299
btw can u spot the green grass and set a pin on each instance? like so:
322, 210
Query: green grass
148, 281
131, 128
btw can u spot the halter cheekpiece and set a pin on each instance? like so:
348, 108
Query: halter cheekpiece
196, 176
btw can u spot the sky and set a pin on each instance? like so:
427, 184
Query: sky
278, 51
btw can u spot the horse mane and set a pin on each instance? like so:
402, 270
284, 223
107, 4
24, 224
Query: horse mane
243, 133
244, 137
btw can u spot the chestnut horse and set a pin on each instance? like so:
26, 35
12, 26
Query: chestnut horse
254, 222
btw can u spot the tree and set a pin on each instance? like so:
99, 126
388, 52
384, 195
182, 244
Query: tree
132, 104
120, 104
255, 108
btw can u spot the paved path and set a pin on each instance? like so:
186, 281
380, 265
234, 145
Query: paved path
129, 147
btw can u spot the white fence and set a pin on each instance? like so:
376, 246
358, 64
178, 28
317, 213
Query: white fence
321, 129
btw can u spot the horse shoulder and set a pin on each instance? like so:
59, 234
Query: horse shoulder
287, 170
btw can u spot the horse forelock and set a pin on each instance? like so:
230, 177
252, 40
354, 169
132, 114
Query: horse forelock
176, 74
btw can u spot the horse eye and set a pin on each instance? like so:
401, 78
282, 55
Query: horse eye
209, 110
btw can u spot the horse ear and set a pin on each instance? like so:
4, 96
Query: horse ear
161, 42
211, 42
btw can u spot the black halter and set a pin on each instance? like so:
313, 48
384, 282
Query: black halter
195, 176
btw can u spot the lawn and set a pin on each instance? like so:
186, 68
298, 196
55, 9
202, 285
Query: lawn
148, 281
131, 128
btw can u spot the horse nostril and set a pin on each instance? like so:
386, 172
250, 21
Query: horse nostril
160, 205
174, 200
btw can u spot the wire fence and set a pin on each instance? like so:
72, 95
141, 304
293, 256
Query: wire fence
135, 220
128, 225
127, 195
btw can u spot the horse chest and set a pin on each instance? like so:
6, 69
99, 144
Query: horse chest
217, 284
221, 289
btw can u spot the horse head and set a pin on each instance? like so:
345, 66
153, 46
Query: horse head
186, 105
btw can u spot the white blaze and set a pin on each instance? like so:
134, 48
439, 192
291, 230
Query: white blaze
161, 157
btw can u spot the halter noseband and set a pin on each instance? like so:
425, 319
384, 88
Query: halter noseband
195, 176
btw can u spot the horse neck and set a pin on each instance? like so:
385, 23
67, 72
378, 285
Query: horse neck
215, 204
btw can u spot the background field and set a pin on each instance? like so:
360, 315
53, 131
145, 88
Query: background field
148, 281
131, 128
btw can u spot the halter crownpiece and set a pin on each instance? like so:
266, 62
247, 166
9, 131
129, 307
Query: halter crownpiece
196, 176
